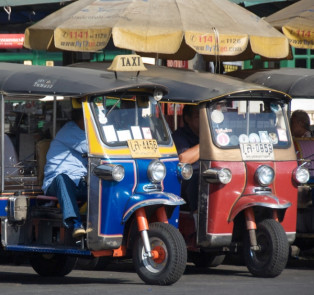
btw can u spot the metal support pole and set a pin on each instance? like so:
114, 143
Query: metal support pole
54, 117
2, 141
175, 117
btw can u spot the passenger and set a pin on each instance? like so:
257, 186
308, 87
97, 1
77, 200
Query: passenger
66, 170
300, 124
186, 140
300, 127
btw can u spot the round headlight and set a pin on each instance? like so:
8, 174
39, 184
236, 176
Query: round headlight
156, 171
185, 170
118, 173
264, 175
224, 175
301, 175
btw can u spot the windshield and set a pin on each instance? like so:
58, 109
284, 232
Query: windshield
241, 122
120, 120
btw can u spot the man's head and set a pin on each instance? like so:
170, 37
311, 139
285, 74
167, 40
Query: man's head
299, 123
191, 117
78, 118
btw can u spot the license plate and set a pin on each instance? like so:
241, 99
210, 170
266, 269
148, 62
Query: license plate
144, 148
257, 151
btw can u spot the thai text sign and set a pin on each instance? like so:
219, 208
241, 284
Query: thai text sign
11, 41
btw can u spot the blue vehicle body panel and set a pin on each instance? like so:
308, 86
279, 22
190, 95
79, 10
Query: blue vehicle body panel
132, 194
3, 206
69, 251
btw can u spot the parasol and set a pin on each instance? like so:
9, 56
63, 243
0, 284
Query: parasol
297, 22
173, 29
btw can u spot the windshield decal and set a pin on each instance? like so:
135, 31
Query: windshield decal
110, 133
136, 131
124, 135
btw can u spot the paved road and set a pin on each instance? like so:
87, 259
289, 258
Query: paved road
119, 278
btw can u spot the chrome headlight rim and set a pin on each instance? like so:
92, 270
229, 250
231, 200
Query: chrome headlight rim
301, 175
110, 172
156, 171
185, 171
118, 173
224, 175
264, 175
217, 175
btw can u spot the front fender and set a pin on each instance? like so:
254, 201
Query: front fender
269, 201
154, 198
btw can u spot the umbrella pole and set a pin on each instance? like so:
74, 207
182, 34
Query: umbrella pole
217, 57
2, 141
156, 59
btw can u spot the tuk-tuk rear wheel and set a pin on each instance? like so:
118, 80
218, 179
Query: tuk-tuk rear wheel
170, 263
273, 255
53, 265
203, 259
93, 263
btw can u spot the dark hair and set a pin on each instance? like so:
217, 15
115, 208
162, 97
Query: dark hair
301, 116
77, 114
188, 111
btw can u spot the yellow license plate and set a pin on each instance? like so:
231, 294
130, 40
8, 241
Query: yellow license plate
144, 148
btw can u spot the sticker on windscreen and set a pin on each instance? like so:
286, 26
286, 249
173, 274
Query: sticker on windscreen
217, 116
253, 138
243, 138
223, 139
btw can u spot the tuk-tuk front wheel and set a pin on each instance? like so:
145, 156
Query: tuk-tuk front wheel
170, 262
272, 256
52, 265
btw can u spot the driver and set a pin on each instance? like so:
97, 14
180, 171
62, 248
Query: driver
66, 170
186, 140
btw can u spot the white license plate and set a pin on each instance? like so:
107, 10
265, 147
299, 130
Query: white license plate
257, 151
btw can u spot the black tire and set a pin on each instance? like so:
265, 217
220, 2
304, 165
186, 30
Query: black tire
204, 259
93, 263
52, 265
171, 268
271, 260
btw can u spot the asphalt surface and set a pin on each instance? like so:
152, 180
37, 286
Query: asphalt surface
119, 278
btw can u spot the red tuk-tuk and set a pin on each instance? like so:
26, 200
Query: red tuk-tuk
298, 83
248, 175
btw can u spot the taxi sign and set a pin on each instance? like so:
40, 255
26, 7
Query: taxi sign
144, 148
127, 63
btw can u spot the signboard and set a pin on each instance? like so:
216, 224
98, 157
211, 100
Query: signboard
29, 2
177, 64
11, 41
